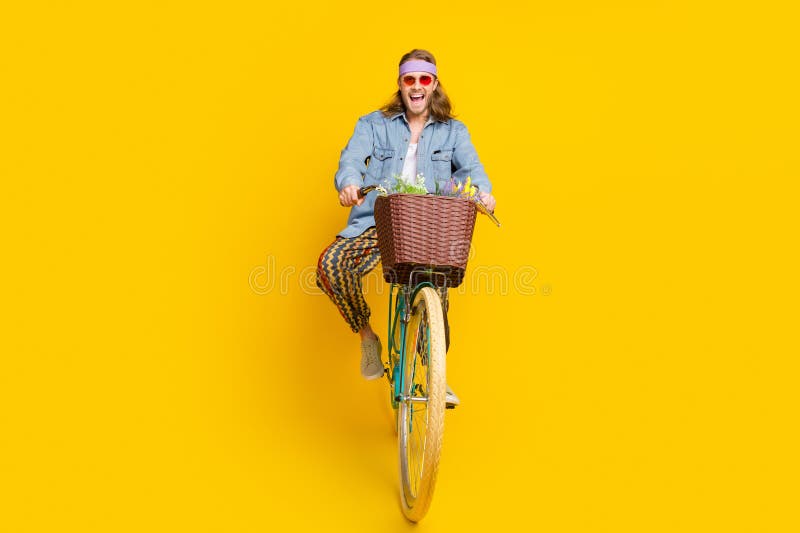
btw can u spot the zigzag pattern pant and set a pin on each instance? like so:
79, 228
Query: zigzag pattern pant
340, 269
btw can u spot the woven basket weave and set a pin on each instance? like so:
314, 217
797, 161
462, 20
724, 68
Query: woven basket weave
424, 230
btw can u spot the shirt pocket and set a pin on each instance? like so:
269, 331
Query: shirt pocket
380, 163
442, 161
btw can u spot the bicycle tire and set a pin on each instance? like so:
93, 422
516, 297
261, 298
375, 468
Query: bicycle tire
421, 424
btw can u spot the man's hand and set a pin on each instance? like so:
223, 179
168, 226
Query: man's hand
488, 200
349, 196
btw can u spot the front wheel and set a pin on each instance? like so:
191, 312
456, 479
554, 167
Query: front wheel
421, 410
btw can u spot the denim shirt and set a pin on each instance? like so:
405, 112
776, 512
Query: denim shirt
377, 149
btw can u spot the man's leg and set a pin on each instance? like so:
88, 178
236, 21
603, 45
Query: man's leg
339, 271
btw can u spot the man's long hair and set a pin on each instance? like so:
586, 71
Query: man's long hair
440, 104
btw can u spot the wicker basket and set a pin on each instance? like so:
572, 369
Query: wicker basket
424, 231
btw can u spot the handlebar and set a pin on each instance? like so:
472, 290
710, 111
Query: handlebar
363, 191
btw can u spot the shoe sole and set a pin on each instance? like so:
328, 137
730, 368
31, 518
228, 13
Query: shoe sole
372, 376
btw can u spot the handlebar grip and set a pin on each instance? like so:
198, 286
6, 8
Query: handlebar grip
363, 191
485, 210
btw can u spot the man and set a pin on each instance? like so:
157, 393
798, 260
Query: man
414, 133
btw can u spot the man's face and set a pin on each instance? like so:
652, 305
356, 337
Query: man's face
416, 89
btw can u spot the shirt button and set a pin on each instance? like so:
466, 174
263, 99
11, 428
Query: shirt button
406, 139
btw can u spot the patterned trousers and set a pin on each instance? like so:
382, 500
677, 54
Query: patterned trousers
340, 269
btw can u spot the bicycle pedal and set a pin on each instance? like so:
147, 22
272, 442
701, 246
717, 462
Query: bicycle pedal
450, 398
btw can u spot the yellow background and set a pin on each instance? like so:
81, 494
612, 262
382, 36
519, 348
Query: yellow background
160, 159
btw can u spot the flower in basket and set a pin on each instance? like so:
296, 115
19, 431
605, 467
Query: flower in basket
400, 186
457, 189
450, 187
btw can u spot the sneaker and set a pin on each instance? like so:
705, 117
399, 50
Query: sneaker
450, 398
371, 365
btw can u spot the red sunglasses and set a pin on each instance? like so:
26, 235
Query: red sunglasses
423, 80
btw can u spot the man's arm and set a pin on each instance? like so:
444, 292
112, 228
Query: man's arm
466, 162
352, 163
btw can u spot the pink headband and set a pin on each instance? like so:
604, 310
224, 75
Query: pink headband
417, 66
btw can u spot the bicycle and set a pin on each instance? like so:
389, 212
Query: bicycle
416, 371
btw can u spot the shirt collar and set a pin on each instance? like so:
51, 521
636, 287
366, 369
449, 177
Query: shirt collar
403, 114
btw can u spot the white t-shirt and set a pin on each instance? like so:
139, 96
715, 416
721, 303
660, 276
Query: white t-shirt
410, 164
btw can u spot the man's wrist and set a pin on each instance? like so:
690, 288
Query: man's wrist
347, 184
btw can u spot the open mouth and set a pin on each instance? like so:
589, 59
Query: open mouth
416, 98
